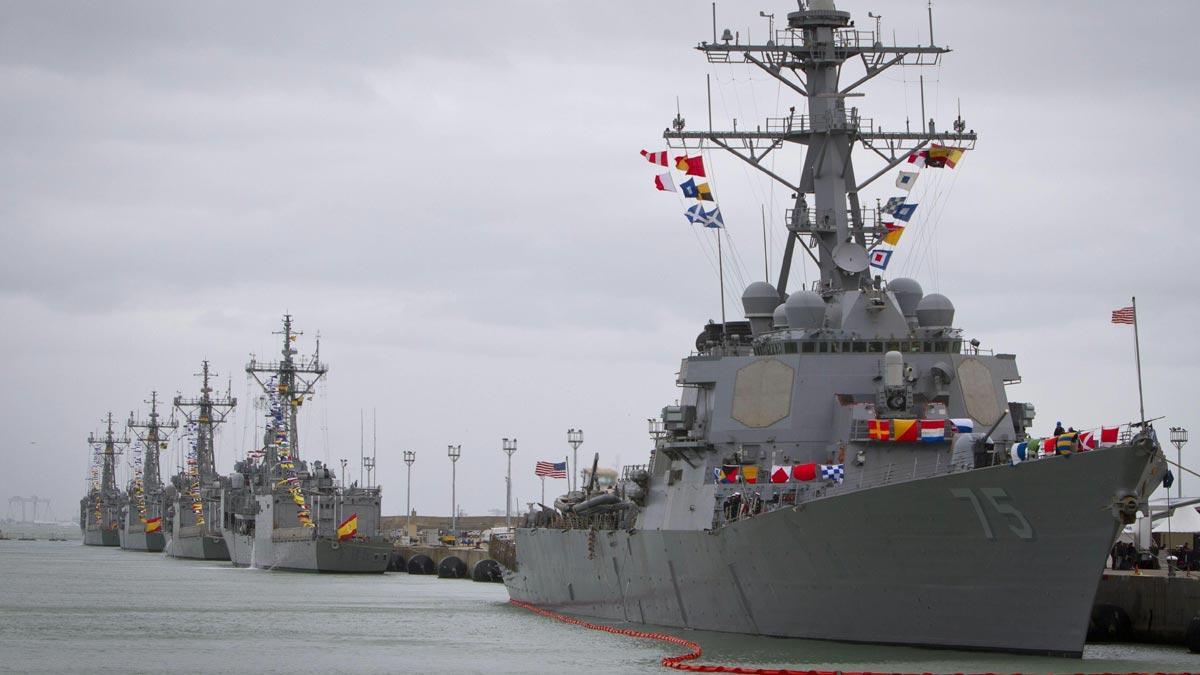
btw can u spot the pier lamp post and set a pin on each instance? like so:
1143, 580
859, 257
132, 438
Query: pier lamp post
454, 452
409, 458
1178, 439
575, 439
510, 446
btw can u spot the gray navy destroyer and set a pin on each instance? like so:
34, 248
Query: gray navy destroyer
100, 510
195, 492
280, 512
146, 503
871, 535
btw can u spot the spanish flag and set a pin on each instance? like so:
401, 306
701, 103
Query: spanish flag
348, 528
153, 524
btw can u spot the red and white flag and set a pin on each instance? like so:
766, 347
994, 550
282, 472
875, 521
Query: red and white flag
659, 158
779, 474
691, 166
1087, 440
664, 183
1124, 315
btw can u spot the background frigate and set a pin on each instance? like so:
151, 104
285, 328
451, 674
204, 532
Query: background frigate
143, 512
280, 512
194, 494
100, 510
940, 544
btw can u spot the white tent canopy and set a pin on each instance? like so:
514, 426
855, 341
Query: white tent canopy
1186, 519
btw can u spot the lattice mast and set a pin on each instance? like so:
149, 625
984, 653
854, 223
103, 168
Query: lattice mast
289, 380
205, 412
108, 447
152, 433
808, 57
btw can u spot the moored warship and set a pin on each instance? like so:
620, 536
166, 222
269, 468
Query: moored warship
195, 492
841, 464
280, 512
100, 510
146, 504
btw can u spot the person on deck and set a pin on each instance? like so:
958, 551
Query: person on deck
1059, 430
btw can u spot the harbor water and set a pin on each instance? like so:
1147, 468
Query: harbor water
65, 608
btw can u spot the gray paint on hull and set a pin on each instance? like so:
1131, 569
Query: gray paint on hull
198, 547
140, 541
907, 563
101, 538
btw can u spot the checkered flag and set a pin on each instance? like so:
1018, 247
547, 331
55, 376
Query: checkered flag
834, 472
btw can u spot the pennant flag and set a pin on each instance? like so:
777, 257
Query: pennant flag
749, 473
550, 469
664, 183
659, 158
704, 193
963, 425
879, 430
348, 528
779, 474
696, 215
933, 431
804, 472
941, 155
880, 258
892, 204
917, 159
691, 166
689, 188
1108, 436
834, 472
905, 431
713, 219
894, 232
1087, 441
906, 179
1018, 452
1124, 315
905, 212
729, 473
154, 524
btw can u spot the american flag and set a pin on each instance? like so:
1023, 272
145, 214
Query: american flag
551, 469
1124, 315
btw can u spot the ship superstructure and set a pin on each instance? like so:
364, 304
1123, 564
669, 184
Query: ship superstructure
838, 464
100, 510
281, 512
195, 492
143, 514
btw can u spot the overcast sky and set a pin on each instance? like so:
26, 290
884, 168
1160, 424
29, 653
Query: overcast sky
451, 194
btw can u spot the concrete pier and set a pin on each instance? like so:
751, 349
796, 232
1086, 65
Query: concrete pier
448, 562
1145, 607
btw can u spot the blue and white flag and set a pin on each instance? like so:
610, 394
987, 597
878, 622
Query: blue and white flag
834, 472
893, 204
696, 215
689, 188
880, 258
905, 212
713, 218
1018, 453
963, 425
906, 179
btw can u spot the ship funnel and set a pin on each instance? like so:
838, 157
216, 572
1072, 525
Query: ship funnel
893, 369
908, 295
805, 310
935, 310
759, 301
779, 317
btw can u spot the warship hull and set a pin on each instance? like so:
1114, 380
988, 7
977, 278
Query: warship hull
101, 538
197, 546
326, 555
240, 548
138, 540
1005, 558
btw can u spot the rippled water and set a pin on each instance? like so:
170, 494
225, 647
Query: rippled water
70, 608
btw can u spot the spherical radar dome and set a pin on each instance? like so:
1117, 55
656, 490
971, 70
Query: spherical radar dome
760, 299
805, 309
935, 309
908, 293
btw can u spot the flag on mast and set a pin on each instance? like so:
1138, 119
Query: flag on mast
664, 183
550, 469
659, 158
1124, 315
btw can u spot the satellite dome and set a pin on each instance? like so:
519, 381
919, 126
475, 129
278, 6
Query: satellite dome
908, 293
779, 318
760, 299
805, 309
935, 310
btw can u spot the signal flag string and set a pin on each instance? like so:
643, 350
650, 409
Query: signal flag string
680, 662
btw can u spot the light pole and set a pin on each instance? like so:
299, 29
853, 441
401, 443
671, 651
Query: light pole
575, 439
453, 451
509, 448
1178, 439
369, 464
344, 462
409, 458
